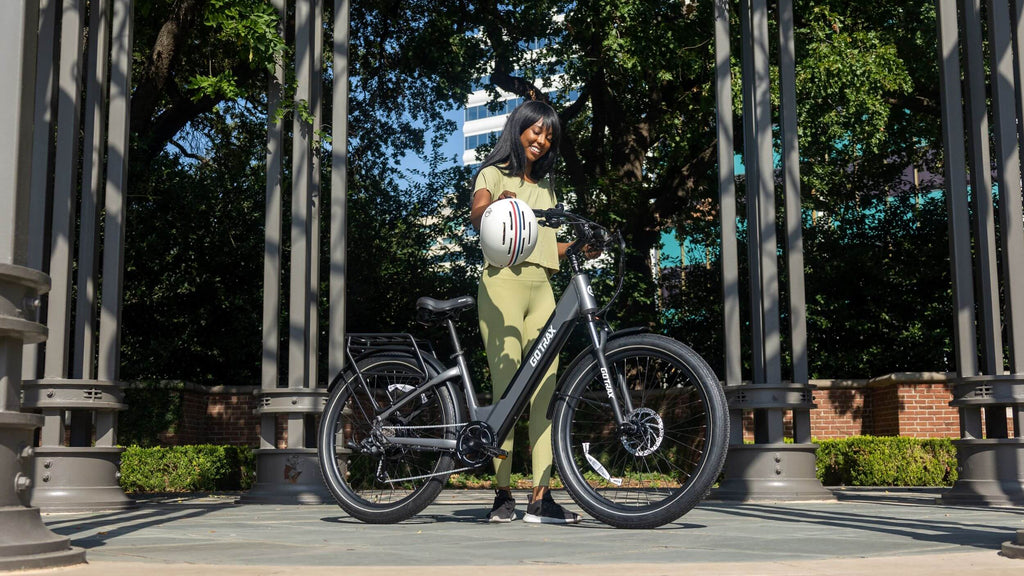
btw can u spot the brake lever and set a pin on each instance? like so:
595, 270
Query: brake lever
552, 217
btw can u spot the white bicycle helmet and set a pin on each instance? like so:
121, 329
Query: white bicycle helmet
508, 232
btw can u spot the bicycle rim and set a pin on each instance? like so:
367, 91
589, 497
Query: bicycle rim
372, 479
661, 469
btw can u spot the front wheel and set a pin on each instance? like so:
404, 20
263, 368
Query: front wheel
664, 459
373, 478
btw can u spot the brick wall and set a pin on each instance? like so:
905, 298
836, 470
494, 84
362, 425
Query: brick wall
925, 411
914, 404
886, 407
216, 415
843, 409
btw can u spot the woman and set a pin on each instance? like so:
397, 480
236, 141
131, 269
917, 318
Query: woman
515, 302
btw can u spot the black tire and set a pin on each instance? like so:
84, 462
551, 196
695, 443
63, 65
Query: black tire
669, 464
351, 468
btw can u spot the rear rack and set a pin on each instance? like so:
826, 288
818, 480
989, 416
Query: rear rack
362, 345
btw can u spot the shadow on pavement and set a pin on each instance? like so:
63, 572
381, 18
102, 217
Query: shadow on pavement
924, 527
94, 530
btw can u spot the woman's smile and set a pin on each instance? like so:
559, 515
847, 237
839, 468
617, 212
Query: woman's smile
536, 141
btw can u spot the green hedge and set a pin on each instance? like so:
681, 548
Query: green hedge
200, 468
886, 461
855, 461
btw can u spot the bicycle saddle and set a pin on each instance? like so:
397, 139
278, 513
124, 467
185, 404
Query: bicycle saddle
435, 306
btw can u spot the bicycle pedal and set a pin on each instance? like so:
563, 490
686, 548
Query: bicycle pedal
497, 453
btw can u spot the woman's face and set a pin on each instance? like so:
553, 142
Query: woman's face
536, 141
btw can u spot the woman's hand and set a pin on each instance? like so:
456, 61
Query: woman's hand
481, 200
589, 252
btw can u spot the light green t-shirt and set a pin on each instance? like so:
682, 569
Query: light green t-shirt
538, 196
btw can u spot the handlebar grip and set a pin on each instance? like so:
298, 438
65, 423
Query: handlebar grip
601, 236
551, 218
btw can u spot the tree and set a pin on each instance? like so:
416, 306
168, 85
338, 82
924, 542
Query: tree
193, 294
191, 55
637, 102
886, 305
640, 148
867, 90
631, 153
194, 260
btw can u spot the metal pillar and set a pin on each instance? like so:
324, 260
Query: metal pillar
77, 457
24, 541
290, 474
339, 190
991, 464
769, 469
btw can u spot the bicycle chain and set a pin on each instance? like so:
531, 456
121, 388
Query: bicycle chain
453, 471
421, 427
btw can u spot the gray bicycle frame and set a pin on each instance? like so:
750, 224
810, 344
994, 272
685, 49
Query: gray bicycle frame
576, 303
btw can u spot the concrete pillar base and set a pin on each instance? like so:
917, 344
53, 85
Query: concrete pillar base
991, 473
29, 544
79, 480
1015, 549
771, 472
287, 476
25, 542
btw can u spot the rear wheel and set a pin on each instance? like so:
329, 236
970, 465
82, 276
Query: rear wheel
664, 460
371, 477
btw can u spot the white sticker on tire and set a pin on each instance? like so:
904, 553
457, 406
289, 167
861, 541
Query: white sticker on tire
598, 467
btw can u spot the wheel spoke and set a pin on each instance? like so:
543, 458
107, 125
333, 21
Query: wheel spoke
373, 478
654, 467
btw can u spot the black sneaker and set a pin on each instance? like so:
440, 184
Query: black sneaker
547, 511
504, 509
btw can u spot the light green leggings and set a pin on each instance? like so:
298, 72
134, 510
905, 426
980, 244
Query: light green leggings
514, 304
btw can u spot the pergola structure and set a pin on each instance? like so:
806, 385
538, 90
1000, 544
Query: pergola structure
991, 464
68, 389
770, 468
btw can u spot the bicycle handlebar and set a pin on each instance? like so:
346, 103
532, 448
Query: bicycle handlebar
588, 233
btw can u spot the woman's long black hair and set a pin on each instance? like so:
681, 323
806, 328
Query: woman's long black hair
508, 152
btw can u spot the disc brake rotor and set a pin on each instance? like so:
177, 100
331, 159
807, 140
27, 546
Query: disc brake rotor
647, 434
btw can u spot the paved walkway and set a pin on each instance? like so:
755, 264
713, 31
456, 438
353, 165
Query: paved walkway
876, 532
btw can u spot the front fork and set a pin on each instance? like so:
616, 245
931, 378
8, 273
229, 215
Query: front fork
614, 387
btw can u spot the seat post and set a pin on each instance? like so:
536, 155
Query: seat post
469, 395
456, 345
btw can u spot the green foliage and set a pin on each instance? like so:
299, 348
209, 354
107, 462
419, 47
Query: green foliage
223, 85
251, 26
877, 287
153, 408
694, 314
858, 72
855, 461
192, 55
867, 97
638, 156
478, 480
194, 253
885, 305
886, 461
198, 468
194, 259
